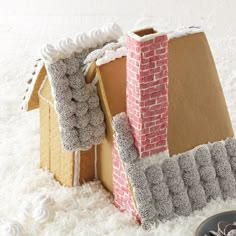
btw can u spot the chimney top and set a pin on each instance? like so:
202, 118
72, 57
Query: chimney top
145, 34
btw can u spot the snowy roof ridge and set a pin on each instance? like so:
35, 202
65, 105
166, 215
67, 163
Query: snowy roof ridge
111, 55
184, 31
92, 39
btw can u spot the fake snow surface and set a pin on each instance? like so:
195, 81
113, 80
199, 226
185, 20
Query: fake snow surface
31, 202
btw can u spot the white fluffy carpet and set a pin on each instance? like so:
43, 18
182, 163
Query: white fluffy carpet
25, 190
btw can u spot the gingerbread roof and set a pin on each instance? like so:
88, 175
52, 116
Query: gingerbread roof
76, 102
193, 87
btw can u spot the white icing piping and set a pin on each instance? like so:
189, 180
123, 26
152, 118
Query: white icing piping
40, 89
95, 162
111, 56
76, 168
30, 87
95, 81
94, 38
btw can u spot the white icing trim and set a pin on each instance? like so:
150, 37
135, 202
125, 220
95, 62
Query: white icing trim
144, 38
85, 69
94, 38
76, 168
95, 80
183, 32
30, 87
40, 89
111, 56
53, 95
95, 162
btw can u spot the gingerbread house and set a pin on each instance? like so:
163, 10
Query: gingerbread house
159, 96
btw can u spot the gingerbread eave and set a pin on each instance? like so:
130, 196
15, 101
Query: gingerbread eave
33, 101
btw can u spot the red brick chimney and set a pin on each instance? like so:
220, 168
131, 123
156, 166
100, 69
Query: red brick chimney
147, 90
147, 105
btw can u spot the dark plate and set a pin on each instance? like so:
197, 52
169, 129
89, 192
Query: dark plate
211, 222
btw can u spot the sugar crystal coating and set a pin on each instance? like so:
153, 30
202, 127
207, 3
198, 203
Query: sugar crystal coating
60, 83
96, 117
128, 155
68, 122
230, 145
233, 163
199, 198
125, 141
65, 110
203, 156
207, 173
81, 108
98, 140
212, 189
83, 121
86, 144
138, 179
184, 210
149, 224
228, 183
77, 80
143, 194
180, 199
198, 205
170, 167
223, 168
196, 190
164, 207
71, 65
159, 191
175, 184
57, 69
81, 95
93, 101
154, 174
218, 151
99, 130
120, 123
186, 161
147, 211
70, 137
85, 133
191, 178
